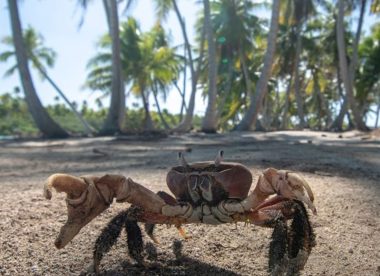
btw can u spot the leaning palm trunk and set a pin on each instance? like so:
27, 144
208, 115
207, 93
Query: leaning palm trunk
182, 94
162, 118
187, 121
250, 117
87, 128
115, 119
44, 122
210, 120
344, 70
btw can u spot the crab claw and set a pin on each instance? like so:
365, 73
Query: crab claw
83, 203
88, 196
287, 184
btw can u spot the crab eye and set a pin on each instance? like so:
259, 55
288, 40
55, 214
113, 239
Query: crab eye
205, 184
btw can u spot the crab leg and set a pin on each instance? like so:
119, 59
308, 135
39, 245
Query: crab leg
264, 215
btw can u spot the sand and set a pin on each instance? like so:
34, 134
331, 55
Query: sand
342, 169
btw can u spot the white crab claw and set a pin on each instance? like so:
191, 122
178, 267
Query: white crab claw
289, 185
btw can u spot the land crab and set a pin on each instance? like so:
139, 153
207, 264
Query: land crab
211, 192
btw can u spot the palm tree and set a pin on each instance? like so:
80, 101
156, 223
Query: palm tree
157, 67
44, 122
38, 54
301, 17
239, 35
294, 15
115, 119
148, 64
367, 82
250, 117
163, 7
116, 113
346, 72
210, 120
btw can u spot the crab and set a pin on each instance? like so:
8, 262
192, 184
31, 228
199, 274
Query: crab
210, 192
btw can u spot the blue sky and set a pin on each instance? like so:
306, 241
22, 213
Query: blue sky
58, 22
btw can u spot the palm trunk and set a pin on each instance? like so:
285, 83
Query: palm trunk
148, 122
182, 94
285, 123
337, 124
44, 122
277, 108
355, 46
247, 79
162, 118
210, 120
250, 117
87, 128
266, 118
345, 72
114, 122
319, 97
297, 91
227, 90
323, 106
187, 121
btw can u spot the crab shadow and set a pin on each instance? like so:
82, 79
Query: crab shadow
162, 265
184, 266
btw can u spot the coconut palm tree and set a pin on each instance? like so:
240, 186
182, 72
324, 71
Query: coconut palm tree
39, 55
250, 117
44, 122
238, 32
116, 112
157, 67
294, 15
367, 82
163, 7
115, 119
210, 120
148, 64
346, 72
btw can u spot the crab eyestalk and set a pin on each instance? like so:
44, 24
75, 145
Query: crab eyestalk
182, 160
219, 158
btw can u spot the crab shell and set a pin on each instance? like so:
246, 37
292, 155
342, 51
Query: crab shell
233, 178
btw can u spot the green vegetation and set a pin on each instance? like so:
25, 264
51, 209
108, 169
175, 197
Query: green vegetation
308, 66
17, 121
